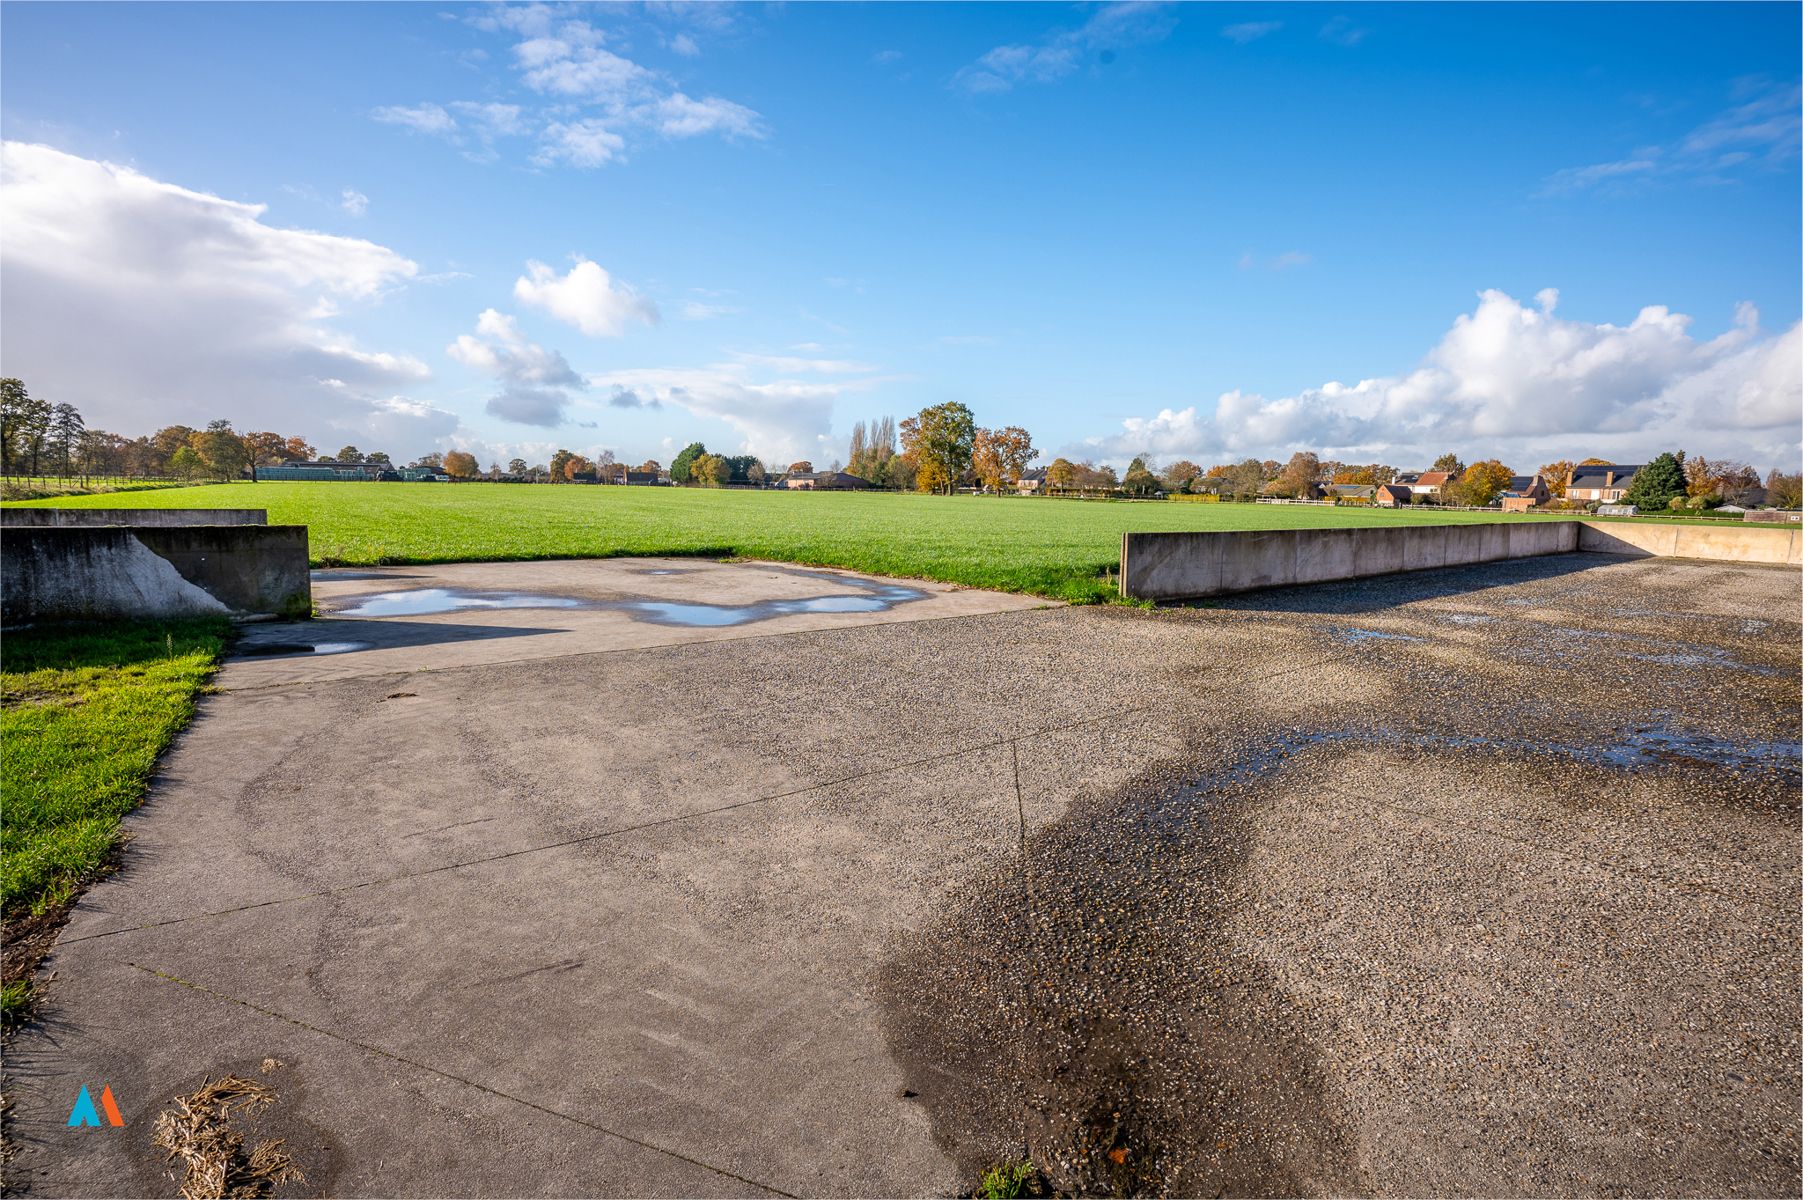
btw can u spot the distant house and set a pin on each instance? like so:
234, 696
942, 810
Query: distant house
1407, 479
1606, 482
1393, 495
424, 475
1357, 493
1430, 483
643, 478
824, 481
1525, 492
1032, 481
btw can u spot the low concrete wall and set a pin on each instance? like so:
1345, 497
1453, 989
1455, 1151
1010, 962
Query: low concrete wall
54, 573
1184, 566
88, 517
1724, 543
1175, 566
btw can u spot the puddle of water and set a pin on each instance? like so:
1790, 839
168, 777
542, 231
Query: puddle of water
422, 601
877, 597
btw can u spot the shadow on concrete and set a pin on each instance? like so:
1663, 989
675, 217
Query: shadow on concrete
1390, 591
348, 635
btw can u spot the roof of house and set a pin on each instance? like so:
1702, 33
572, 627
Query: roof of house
1034, 473
1398, 490
1597, 476
1406, 477
1433, 478
1521, 483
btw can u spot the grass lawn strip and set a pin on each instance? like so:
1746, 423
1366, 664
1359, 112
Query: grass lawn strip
84, 712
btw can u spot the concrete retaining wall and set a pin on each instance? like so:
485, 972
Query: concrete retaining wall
1183, 566
58, 573
87, 517
1725, 543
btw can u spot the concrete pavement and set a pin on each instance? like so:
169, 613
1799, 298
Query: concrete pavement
1478, 881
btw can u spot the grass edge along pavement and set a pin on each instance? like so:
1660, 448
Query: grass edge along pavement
86, 711
1064, 549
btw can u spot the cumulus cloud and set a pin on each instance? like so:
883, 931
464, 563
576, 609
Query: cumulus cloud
586, 297
597, 102
779, 418
1762, 130
1060, 52
145, 303
535, 382
1520, 382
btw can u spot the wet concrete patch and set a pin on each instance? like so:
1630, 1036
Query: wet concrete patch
875, 597
1075, 1007
427, 601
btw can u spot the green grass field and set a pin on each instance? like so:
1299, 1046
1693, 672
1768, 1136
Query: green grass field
1065, 549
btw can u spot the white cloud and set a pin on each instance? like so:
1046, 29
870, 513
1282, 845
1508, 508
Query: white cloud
535, 382
353, 202
585, 143
596, 101
1288, 260
696, 310
1764, 130
144, 303
681, 116
1057, 54
422, 118
1250, 31
780, 419
1342, 31
1523, 384
586, 297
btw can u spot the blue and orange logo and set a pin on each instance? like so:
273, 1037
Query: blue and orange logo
84, 1112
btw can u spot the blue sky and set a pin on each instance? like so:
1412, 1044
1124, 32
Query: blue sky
1200, 230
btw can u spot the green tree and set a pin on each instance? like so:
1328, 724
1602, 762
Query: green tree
349, 454
1481, 483
185, 462
560, 465
1658, 483
64, 436
710, 470
24, 421
681, 470
1139, 478
1450, 464
222, 451
939, 440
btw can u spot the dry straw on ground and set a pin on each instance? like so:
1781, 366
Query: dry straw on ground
198, 1131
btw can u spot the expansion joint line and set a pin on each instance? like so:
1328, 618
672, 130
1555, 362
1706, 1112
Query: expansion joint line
380, 1052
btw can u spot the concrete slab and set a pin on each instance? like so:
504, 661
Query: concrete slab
1481, 880
508, 612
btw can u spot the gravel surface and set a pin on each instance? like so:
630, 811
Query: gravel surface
1502, 899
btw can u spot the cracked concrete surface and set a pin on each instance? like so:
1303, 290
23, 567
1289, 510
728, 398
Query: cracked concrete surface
596, 905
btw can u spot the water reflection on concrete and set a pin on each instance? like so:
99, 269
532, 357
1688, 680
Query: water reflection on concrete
424, 601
